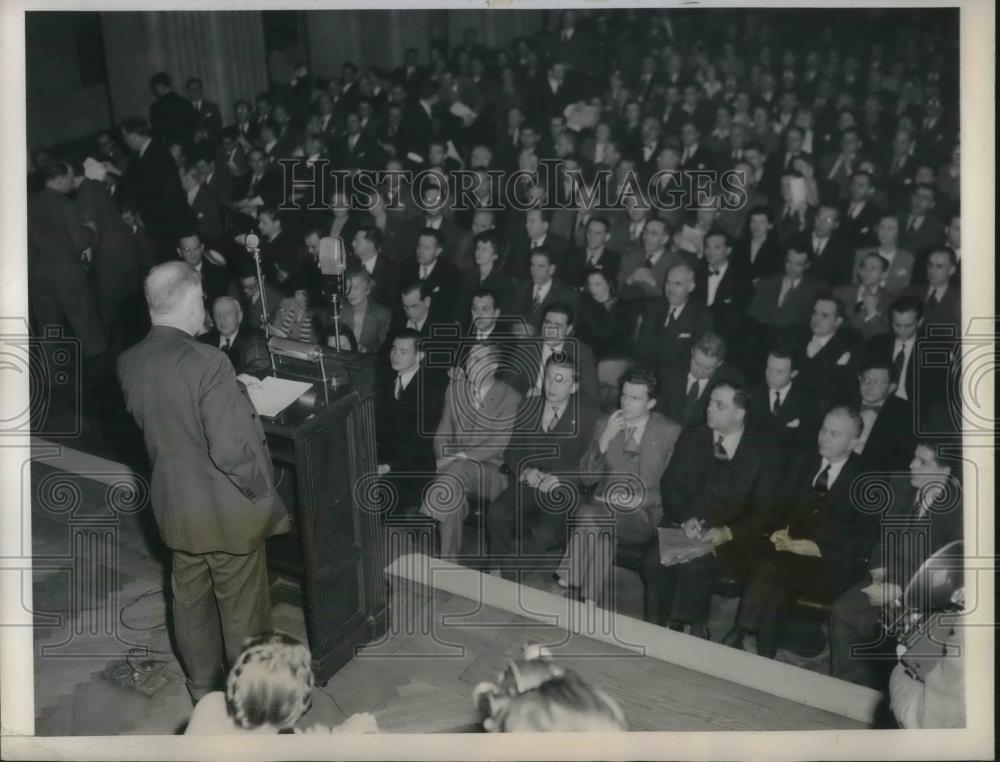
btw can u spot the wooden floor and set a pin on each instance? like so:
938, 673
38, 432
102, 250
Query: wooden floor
418, 679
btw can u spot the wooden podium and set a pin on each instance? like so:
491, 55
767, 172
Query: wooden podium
324, 454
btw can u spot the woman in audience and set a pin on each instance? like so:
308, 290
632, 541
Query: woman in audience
296, 317
604, 321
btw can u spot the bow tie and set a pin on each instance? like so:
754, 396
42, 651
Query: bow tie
712, 273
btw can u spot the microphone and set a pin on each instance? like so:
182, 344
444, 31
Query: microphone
332, 258
252, 242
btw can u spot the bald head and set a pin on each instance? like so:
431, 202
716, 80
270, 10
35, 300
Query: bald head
173, 293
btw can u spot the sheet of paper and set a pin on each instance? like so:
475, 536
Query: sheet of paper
271, 395
677, 548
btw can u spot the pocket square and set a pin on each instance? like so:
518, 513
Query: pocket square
793, 424
844, 358
684, 336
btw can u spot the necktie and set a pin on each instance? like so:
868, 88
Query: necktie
786, 286
911, 225
822, 481
720, 451
423, 272
777, 402
550, 418
630, 445
228, 345
818, 245
537, 298
636, 229
898, 361
399, 387
671, 316
932, 300
692, 399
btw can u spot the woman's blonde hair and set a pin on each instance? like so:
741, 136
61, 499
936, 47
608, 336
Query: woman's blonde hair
534, 694
271, 682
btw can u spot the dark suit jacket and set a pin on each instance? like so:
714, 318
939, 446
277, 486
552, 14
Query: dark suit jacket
207, 211
654, 454
173, 118
794, 311
910, 545
404, 428
208, 119
518, 260
890, 444
249, 346
919, 381
498, 281
608, 329
153, 182
215, 282
268, 187
55, 225
744, 503
843, 533
824, 374
930, 233
443, 282
386, 277
523, 303
946, 311
835, 266
366, 153
770, 258
861, 230
410, 234
557, 451
212, 487
526, 359
796, 423
672, 401
732, 297
659, 345
575, 269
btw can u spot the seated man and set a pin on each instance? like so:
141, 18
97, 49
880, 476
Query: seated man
407, 412
530, 356
886, 441
781, 409
685, 392
553, 430
475, 428
925, 515
719, 487
828, 351
628, 453
820, 543
242, 344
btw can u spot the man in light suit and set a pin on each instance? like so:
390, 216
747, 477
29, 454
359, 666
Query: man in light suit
642, 272
629, 451
553, 431
212, 487
475, 428
899, 272
367, 319
868, 304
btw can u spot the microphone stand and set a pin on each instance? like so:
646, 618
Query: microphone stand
255, 251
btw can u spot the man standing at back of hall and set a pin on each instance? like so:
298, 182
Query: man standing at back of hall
212, 486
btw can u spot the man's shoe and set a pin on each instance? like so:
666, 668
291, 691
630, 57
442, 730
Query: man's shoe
734, 638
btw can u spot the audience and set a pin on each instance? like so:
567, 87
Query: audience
839, 266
